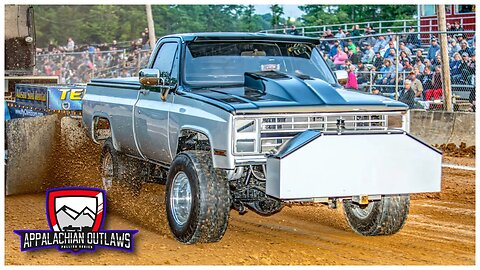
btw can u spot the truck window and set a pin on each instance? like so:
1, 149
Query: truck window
165, 59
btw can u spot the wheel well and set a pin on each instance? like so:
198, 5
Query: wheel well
101, 128
192, 140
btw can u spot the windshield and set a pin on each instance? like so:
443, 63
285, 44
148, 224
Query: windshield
225, 63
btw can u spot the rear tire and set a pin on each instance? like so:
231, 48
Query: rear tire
119, 170
197, 199
384, 217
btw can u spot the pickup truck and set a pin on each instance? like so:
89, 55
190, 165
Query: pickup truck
253, 121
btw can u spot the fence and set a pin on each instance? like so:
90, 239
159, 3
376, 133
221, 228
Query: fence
81, 67
388, 77
379, 26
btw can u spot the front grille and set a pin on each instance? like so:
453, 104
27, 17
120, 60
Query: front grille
277, 129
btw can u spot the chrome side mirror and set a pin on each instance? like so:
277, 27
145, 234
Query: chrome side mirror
150, 77
342, 76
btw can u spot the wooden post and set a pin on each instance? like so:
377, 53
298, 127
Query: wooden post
447, 89
151, 27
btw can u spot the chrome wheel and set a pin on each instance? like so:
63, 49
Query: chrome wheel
362, 211
181, 198
107, 171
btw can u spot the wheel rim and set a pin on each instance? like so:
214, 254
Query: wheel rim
181, 198
107, 171
362, 212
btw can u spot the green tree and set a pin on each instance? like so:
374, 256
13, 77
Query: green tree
277, 12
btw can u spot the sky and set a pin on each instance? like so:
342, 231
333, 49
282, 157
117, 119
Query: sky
289, 10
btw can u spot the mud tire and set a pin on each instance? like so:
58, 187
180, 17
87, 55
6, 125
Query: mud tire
210, 199
384, 217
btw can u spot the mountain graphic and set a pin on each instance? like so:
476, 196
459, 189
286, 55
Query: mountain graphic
67, 217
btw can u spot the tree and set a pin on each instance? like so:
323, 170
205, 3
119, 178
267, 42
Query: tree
277, 12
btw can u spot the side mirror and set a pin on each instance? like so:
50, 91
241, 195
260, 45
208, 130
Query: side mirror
342, 77
150, 77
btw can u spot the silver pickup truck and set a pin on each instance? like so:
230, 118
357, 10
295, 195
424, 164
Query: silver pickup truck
252, 121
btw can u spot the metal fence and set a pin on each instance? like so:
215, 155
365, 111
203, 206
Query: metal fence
379, 26
409, 61
81, 67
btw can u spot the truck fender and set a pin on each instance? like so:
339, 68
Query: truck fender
103, 115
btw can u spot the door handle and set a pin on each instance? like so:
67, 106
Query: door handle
139, 112
144, 91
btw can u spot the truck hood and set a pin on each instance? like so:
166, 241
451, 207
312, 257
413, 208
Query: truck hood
274, 92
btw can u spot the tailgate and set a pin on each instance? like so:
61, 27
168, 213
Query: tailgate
319, 165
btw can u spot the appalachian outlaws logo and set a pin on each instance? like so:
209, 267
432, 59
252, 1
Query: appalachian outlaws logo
76, 216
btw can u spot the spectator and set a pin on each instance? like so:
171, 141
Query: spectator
380, 44
392, 56
432, 51
391, 47
419, 65
455, 71
457, 27
437, 61
437, 91
355, 31
453, 48
412, 39
403, 56
339, 58
417, 86
385, 73
340, 34
426, 79
363, 76
405, 49
352, 79
375, 91
70, 45
353, 57
427, 63
407, 66
377, 60
369, 54
407, 95
333, 50
351, 46
328, 61
419, 55
465, 49
293, 30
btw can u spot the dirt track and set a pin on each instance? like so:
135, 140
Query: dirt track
439, 230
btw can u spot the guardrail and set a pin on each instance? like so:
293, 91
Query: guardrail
378, 26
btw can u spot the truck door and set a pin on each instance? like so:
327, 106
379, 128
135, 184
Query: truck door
151, 113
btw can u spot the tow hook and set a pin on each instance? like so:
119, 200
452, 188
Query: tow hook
361, 200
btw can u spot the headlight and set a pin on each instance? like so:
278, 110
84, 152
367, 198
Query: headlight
246, 136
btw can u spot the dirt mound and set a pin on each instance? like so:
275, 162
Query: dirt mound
453, 150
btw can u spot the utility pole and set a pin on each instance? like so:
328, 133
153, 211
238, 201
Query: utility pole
151, 27
447, 88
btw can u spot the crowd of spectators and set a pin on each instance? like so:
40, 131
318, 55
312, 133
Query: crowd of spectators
78, 64
371, 60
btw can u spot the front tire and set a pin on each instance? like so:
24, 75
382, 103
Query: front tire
197, 199
384, 217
